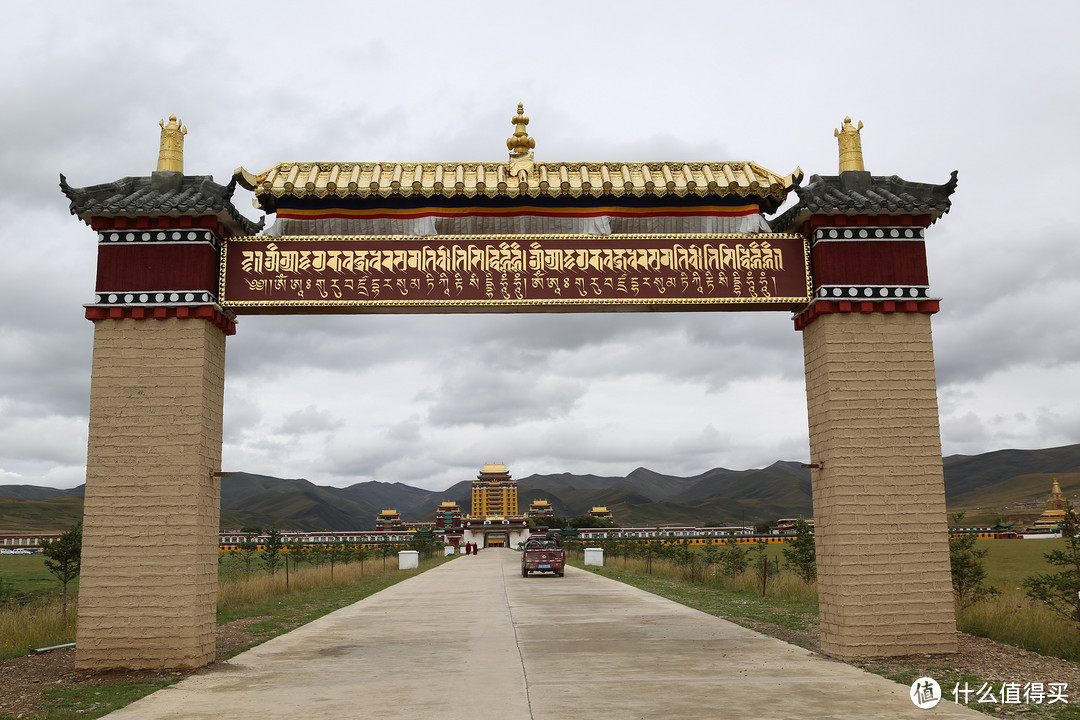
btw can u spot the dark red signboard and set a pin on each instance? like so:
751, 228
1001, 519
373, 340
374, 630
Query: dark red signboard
514, 273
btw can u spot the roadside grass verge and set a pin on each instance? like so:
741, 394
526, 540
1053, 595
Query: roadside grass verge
38, 624
93, 702
1014, 619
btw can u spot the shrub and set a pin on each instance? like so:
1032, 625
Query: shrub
966, 562
1060, 591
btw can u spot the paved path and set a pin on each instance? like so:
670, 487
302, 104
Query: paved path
473, 639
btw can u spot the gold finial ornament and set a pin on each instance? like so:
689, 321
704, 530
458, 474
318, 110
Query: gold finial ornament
171, 154
850, 143
520, 145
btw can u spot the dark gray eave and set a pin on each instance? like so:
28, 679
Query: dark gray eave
163, 194
859, 193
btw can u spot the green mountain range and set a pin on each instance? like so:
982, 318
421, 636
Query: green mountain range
1005, 483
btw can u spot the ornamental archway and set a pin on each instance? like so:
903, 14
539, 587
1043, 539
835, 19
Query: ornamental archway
177, 263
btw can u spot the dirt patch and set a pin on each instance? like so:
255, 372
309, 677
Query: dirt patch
25, 678
993, 662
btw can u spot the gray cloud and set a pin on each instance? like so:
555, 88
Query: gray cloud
308, 420
485, 397
426, 399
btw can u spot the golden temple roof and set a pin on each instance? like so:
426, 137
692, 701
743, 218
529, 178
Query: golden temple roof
494, 179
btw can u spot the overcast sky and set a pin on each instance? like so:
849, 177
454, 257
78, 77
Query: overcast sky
986, 88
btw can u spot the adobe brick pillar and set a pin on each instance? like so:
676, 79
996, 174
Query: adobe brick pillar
884, 583
148, 593
884, 586
148, 588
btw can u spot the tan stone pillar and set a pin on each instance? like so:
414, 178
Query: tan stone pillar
147, 596
884, 583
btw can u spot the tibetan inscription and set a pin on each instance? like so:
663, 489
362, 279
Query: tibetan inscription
514, 273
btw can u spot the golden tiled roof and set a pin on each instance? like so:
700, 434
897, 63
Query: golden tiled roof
494, 179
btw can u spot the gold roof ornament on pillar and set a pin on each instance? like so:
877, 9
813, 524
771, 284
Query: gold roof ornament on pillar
171, 154
850, 143
520, 145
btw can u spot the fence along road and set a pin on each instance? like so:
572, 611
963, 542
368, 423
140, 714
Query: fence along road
472, 638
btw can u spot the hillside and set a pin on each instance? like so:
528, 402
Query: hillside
984, 486
969, 474
48, 515
36, 492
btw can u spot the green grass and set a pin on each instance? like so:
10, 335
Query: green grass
30, 606
24, 578
1010, 561
95, 701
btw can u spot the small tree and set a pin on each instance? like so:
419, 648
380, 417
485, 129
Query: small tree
423, 541
649, 552
248, 547
800, 554
297, 551
271, 555
968, 573
386, 550
1060, 591
733, 557
710, 557
336, 552
684, 556
63, 558
760, 562
316, 553
360, 553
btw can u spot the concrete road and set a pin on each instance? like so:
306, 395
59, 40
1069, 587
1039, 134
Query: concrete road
473, 639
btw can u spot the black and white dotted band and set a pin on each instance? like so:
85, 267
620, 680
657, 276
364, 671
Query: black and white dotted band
156, 298
873, 233
120, 237
873, 292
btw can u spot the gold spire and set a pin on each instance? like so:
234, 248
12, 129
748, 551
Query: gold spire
521, 142
1057, 499
520, 145
850, 146
171, 154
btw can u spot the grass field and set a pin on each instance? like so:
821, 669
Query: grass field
1010, 561
26, 575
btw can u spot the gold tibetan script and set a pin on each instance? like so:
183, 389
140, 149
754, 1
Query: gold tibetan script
539, 269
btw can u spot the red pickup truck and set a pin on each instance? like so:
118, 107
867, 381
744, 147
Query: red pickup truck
543, 555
